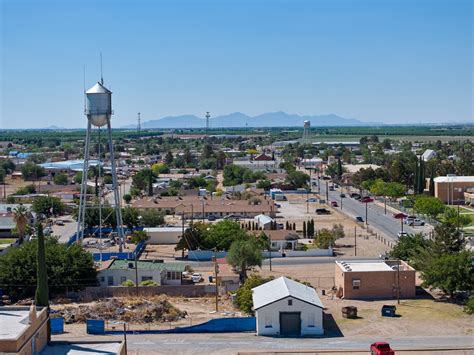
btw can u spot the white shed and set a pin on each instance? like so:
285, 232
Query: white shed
289, 308
164, 235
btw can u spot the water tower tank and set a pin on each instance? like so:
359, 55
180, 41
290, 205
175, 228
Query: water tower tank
307, 124
98, 105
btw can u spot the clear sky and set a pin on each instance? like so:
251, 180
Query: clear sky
393, 61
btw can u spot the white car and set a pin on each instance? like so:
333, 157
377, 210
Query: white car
196, 277
416, 222
402, 234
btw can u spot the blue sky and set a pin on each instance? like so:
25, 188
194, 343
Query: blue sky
389, 61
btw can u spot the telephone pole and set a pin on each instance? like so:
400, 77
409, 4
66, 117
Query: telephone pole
139, 124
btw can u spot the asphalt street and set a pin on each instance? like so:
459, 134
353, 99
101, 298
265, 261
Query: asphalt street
235, 342
376, 218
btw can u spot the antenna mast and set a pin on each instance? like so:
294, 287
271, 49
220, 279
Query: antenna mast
139, 125
101, 75
208, 116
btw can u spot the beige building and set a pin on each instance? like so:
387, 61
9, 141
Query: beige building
374, 279
451, 189
23, 330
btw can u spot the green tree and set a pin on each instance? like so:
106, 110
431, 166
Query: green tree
20, 216
304, 229
244, 255
32, 172
152, 218
297, 179
244, 292
127, 198
264, 184
430, 206
60, 179
68, 268
409, 248
48, 205
78, 177
139, 236
450, 273
447, 239
130, 217
42, 293
223, 233
324, 239
456, 219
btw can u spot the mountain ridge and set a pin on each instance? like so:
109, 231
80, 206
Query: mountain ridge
239, 119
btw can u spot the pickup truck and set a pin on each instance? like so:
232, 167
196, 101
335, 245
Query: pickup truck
381, 348
321, 211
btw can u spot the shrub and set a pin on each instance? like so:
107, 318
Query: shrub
148, 283
128, 283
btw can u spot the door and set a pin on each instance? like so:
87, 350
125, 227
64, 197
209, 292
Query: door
290, 323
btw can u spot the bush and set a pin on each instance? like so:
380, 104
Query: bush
469, 306
128, 283
148, 283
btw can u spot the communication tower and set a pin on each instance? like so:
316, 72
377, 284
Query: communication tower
98, 110
208, 117
139, 124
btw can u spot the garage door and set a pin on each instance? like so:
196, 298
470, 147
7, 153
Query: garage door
290, 323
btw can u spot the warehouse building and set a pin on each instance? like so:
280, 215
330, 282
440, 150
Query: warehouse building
285, 307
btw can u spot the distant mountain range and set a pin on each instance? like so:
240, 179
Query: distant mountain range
238, 119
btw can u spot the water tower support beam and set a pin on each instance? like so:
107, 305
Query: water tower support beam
118, 210
83, 198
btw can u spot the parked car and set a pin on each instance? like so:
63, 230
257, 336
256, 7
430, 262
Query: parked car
359, 219
381, 348
321, 211
59, 223
277, 205
311, 199
342, 195
334, 204
355, 195
331, 188
416, 222
408, 219
197, 277
211, 218
366, 199
233, 217
402, 234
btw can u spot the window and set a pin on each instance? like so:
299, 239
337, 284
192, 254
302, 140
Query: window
311, 320
110, 280
123, 279
146, 278
355, 284
268, 321
290, 302
102, 279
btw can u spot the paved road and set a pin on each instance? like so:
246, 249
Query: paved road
234, 342
377, 219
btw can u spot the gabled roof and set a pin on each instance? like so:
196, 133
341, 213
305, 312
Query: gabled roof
281, 288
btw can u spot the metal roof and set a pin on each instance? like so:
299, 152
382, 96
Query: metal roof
98, 89
281, 288
454, 179
146, 265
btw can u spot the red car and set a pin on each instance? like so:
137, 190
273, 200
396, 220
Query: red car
399, 215
366, 199
381, 348
334, 204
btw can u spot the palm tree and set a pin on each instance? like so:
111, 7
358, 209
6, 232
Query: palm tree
20, 215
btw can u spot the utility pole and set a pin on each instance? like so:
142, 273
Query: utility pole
270, 250
398, 281
216, 270
355, 241
366, 214
208, 116
341, 196
139, 125
327, 192
125, 337
136, 275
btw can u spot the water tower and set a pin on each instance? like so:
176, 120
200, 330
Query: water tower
98, 110
306, 128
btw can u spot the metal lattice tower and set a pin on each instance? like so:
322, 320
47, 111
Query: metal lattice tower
98, 110
208, 117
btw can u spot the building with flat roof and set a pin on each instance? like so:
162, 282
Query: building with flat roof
23, 330
451, 189
115, 272
359, 279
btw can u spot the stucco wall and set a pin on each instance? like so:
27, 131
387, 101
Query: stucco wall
273, 311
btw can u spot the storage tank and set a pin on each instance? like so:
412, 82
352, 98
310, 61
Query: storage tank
98, 105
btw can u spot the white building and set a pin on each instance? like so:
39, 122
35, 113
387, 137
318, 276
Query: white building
164, 235
428, 154
286, 307
115, 272
264, 221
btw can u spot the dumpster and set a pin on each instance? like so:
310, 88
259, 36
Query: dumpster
57, 325
95, 326
388, 310
210, 279
349, 312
